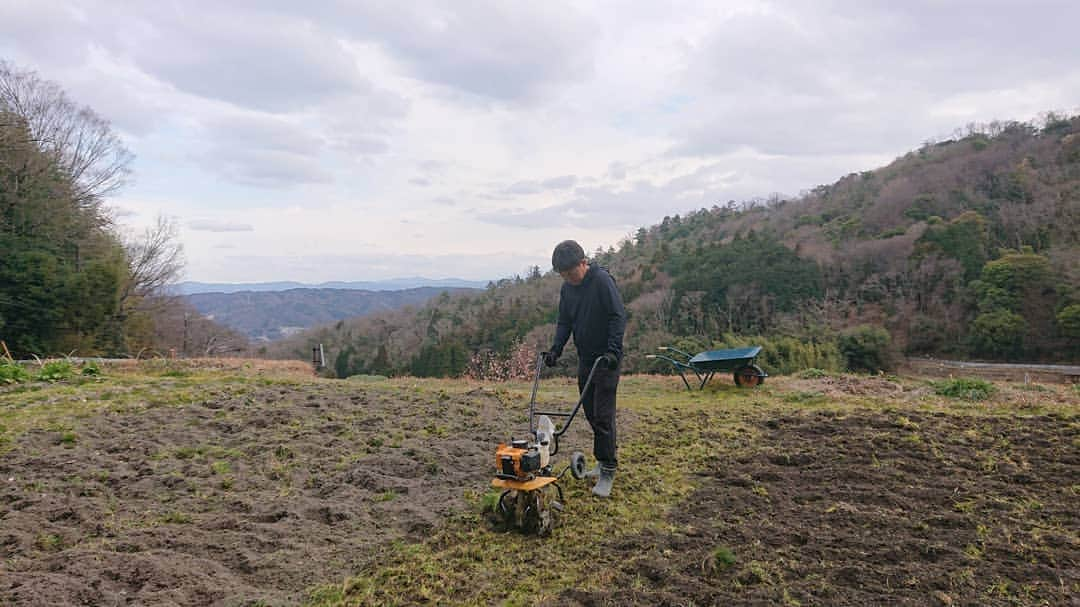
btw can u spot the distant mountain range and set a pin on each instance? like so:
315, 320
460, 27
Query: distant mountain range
392, 284
272, 314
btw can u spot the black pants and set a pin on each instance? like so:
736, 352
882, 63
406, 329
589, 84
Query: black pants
599, 405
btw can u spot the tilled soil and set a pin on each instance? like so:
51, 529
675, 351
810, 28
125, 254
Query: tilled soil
247, 496
870, 508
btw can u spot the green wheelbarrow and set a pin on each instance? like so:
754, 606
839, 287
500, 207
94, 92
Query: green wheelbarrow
740, 361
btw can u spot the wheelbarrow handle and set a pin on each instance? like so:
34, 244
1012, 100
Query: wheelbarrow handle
676, 350
678, 363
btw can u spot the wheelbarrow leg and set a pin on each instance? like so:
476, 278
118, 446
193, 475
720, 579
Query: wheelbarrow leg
683, 376
702, 376
705, 380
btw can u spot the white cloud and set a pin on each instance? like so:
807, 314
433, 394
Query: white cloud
249, 58
210, 225
484, 48
364, 137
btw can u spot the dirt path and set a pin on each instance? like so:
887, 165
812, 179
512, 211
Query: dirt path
244, 494
844, 509
999, 371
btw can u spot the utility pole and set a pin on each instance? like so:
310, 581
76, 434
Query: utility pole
184, 349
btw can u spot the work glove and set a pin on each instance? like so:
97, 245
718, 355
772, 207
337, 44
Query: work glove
610, 360
550, 358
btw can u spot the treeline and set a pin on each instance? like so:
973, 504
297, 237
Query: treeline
968, 247
69, 282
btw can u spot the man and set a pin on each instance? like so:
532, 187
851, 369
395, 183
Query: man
590, 307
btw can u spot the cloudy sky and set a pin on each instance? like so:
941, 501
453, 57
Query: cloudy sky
353, 140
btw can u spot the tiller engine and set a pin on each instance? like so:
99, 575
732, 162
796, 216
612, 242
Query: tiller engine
532, 498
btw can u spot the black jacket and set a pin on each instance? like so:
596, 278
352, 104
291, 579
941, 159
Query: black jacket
593, 312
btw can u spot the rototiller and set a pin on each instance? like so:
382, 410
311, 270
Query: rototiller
531, 497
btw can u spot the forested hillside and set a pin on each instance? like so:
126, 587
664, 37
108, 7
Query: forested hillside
968, 247
69, 282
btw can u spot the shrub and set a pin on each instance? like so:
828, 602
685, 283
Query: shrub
891, 233
867, 348
56, 370
1069, 321
12, 372
965, 388
782, 355
997, 333
518, 363
91, 369
927, 334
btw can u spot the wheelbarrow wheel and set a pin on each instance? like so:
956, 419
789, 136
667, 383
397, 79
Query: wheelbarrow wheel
749, 376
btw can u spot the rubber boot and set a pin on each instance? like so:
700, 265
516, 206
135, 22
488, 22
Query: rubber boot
603, 486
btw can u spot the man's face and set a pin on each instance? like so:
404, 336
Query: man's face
575, 274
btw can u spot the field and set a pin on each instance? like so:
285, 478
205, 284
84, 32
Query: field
246, 483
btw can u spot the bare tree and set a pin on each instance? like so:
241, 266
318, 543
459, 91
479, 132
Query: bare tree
81, 143
155, 260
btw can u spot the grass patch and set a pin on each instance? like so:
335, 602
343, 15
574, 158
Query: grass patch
489, 501
455, 564
186, 452
365, 379
723, 557
12, 373
49, 542
132, 389
56, 370
965, 388
174, 517
804, 397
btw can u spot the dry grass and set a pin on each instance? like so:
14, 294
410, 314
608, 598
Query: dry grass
242, 366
